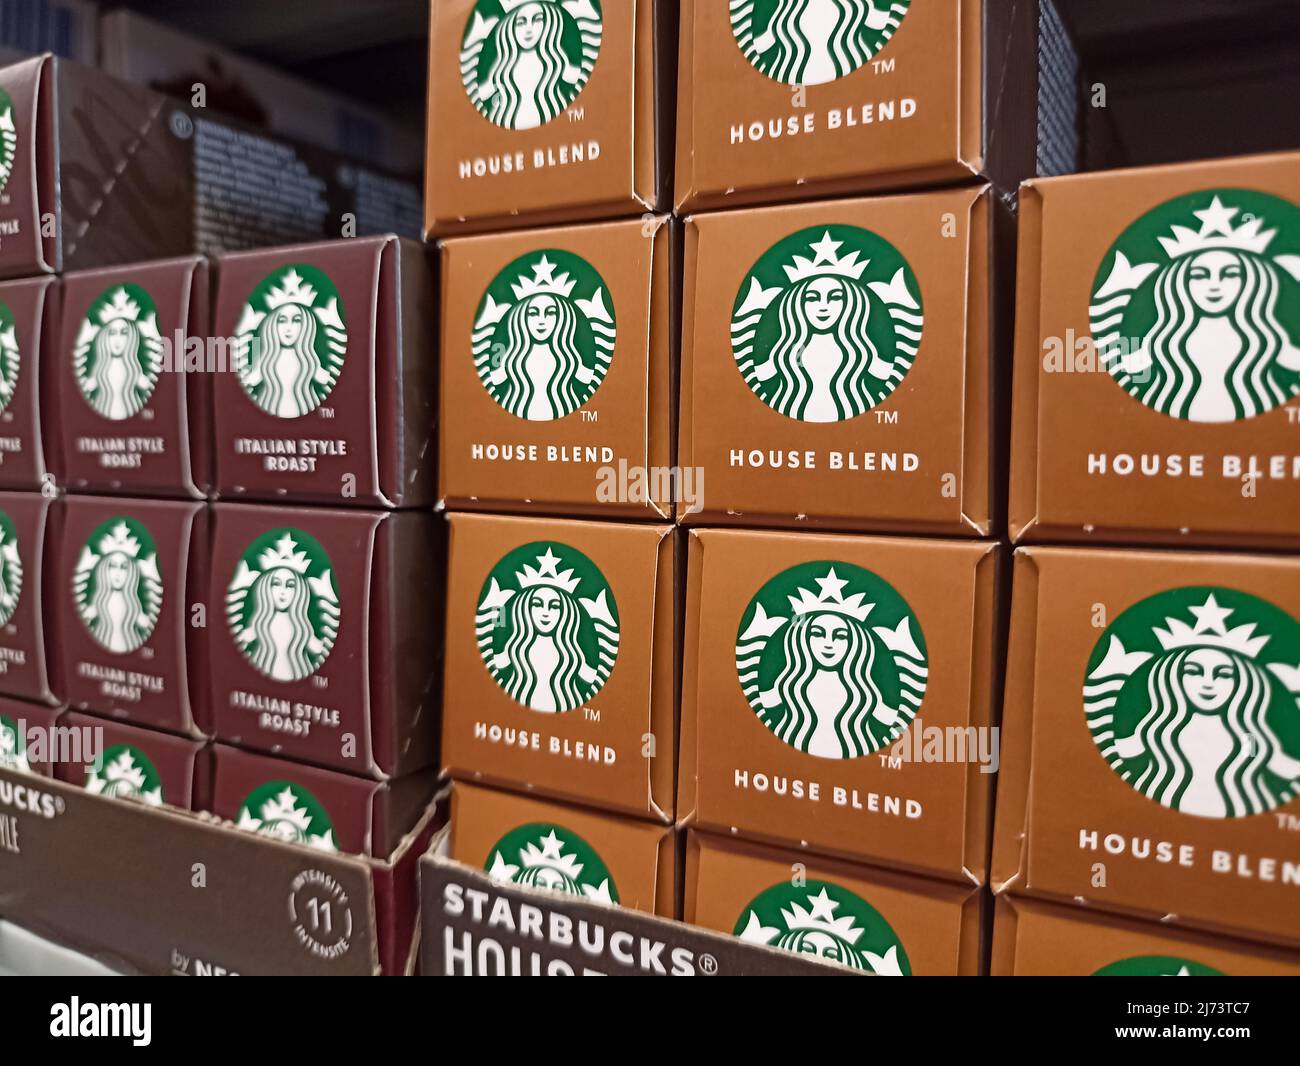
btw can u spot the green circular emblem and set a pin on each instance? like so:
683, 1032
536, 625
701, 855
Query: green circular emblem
290, 341
125, 771
832, 659
820, 918
549, 856
811, 42
1196, 308
1191, 697
10, 357
1157, 966
287, 811
8, 138
827, 323
547, 626
117, 355
281, 604
524, 61
117, 586
13, 746
11, 569
544, 335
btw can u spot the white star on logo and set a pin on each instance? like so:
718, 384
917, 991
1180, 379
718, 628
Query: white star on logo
832, 587
1210, 617
1217, 218
826, 249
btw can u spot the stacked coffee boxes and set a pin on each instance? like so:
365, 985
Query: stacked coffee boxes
1153, 728
795, 516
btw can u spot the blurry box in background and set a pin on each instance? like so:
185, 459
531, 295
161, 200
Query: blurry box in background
330, 387
29, 332
547, 110
68, 28
132, 381
146, 765
28, 545
26, 732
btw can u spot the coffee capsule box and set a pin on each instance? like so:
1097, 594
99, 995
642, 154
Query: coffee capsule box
28, 335
146, 765
129, 577
317, 808
780, 100
333, 395
557, 370
1152, 741
840, 364
547, 110
26, 732
323, 632
561, 660
1041, 940
573, 851
1157, 365
28, 524
837, 696
132, 381
855, 916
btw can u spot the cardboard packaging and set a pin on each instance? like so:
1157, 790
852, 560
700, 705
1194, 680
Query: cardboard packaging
840, 363
324, 633
28, 523
129, 576
134, 411
333, 397
561, 660
29, 324
546, 111
98, 172
26, 733
864, 919
144, 765
1158, 356
1032, 939
781, 100
572, 414
566, 850
838, 695
1152, 746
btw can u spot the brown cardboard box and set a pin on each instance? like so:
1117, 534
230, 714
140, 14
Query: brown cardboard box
128, 577
901, 633
567, 850
779, 100
333, 397
561, 660
593, 438
26, 735
134, 412
145, 765
866, 919
839, 363
323, 630
28, 524
29, 326
571, 119
1152, 753
1039, 939
1158, 356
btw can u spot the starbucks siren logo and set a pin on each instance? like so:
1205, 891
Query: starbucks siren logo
1191, 696
1157, 966
10, 357
125, 772
13, 746
117, 586
118, 353
281, 605
547, 626
286, 811
1196, 308
8, 139
811, 42
832, 659
814, 335
543, 341
290, 341
822, 919
524, 61
11, 569
551, 857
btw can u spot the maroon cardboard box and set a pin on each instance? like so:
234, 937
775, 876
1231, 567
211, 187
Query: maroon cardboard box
28, 333
133, 405
323, 629
28, 523
130, 577
331, 392
26, 730
146, 765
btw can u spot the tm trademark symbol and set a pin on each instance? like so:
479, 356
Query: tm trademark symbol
1293, 416
591, 416
882, 66
1288, 821
887, 417
576, 114
591, 714
320, 682
326, 412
